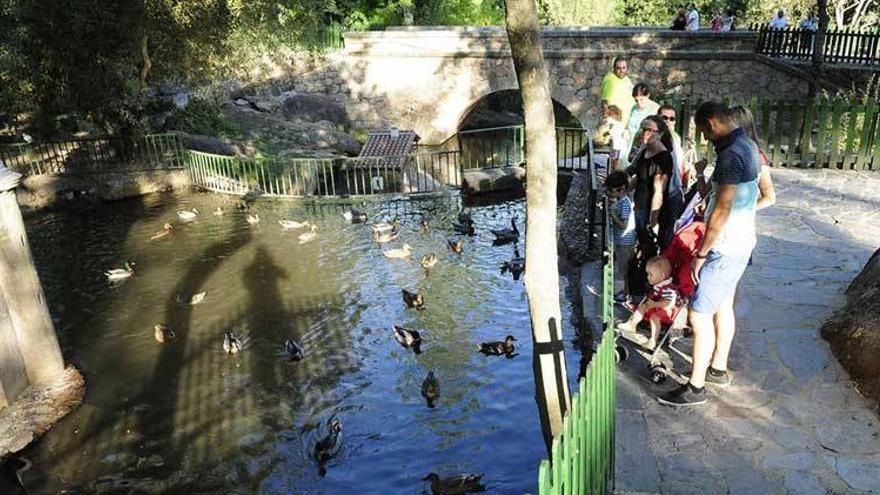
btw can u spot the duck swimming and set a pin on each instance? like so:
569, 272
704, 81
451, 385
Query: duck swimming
293, 350
465, 217
253, 219
413, 299
428, 261
308, 236
431, 389
162, 334
292, 224
503, 236
329, 446
515, 265
456, 245
231, 343
403, 252
354, 216
166, 230
197, 298
386, 236
499, 348
407, 338
120, 273
187, 215
382, 227
464, 228
424, 224
455, 485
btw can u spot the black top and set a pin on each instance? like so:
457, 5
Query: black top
644, 169
679, 23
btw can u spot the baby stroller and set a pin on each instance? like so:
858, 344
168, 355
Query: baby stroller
680, 252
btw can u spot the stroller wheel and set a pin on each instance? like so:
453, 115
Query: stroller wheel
658, 373
620, 354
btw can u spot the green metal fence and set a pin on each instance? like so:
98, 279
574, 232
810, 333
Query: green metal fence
582, 457
505, 146
95, 155
823, 133
298, 177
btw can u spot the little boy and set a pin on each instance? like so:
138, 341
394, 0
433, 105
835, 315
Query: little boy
610, 133
623, 229
659, 306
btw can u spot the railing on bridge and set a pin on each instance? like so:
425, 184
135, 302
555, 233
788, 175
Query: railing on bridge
841, 46
504, 146
94, 155
582, 457
825, 133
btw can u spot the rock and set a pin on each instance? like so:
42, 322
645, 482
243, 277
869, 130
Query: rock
157, 120
801, 461
171, 89
180, 100
266, 104
860, 474
216, 146
803, 484
313, 108
494, 179
241, 102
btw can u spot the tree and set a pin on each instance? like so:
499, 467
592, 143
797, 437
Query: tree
542, 277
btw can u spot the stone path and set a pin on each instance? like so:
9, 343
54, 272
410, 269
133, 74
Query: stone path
792, 421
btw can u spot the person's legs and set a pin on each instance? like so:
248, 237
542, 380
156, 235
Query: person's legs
704, 345
655, 332
632, 322
725, 327
642, 219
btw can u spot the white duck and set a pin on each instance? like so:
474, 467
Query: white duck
308, 236
253, 219
404, 252
120, 273
231, 343
292, 224
383, 227
187, 215
197, 298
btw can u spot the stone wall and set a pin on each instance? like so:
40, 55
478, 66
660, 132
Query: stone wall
428, 79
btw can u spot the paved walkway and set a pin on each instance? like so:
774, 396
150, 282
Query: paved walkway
792, 421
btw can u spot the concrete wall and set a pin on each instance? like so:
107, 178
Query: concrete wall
427, 79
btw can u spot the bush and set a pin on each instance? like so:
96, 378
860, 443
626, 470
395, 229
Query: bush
202, 117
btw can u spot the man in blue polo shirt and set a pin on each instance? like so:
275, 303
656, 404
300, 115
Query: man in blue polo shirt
722, 258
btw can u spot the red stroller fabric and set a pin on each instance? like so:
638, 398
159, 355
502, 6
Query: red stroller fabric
680, 252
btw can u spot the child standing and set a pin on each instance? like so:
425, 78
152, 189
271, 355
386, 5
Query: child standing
623, 229
659, 306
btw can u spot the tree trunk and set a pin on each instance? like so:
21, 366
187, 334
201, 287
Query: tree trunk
145, 68
542, 277
819, 41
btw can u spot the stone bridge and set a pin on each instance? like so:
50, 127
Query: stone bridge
428, 79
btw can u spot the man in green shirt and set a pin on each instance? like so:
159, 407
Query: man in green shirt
617, 88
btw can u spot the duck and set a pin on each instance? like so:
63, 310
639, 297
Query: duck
413, 299
253, 219
465, 217
187, 215
456, 245
197, 298
11, 469
455, 485
464, 228
354, 216
431, 389
120, 273
292, 224
386, 236
162, 334
166, 230
218, 212
329, 446
293, 350
515, 265
424, 224
231, 343
407, 338
382, 227
403, 252
499, 348
428, 261
309, 235
507, 235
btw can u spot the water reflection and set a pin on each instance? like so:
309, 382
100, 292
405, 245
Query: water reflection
186, 414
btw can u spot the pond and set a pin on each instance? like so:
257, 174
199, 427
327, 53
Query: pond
186, 415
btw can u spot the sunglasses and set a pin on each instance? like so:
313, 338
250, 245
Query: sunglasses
647, 129
667, 118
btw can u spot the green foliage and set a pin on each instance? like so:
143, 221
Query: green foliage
580, 12
202, 117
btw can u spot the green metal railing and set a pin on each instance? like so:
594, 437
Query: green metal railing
299, 177
95, 155
823, 133
505, 146
582, 457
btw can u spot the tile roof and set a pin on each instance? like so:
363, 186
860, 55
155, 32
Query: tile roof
383, 144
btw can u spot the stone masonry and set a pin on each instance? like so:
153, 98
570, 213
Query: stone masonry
428, 79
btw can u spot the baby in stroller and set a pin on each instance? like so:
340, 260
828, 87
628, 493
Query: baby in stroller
662, 303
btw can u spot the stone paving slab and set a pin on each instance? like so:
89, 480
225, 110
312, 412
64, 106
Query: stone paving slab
792, 421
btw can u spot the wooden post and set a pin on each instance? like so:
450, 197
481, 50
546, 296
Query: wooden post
542, 276
20, 287
819, 38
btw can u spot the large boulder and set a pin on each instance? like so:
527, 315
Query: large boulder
216, 146
854, 331
313, 108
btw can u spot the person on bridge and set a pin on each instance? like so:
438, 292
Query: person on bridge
693, 18
779, 21
724, 253
643, 107
616, 88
